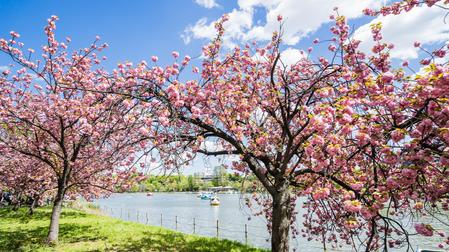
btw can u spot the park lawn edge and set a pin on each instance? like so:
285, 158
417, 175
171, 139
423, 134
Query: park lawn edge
87, 231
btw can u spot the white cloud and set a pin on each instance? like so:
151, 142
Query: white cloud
235, 29
291, 56
207, 3
209, 145
300, 19
200, 30
3, 68
422, 24
303, 17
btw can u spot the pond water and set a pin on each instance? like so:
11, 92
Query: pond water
187, 213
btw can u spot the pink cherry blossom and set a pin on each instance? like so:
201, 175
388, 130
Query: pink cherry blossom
424, 229
397, 135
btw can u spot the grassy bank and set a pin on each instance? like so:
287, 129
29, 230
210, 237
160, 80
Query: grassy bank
81, 231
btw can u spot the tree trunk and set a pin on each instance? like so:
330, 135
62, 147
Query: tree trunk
34, 203
281, 221
53, 232
16, 206
18, 203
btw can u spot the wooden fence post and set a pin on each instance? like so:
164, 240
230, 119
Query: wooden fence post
246, 234
217, 228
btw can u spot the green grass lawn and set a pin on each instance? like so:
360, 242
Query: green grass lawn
81, 231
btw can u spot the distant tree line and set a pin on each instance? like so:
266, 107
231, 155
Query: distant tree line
193, 183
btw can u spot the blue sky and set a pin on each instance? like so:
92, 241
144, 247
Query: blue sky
138, 29
135, 30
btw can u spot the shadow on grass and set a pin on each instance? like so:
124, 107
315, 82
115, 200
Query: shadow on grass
29, 233
178, 242
16, 239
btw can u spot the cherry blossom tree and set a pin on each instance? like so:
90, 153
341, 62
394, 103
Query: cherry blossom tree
25, 178
85, 143
364, 141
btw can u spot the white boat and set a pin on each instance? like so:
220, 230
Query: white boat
214, 201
